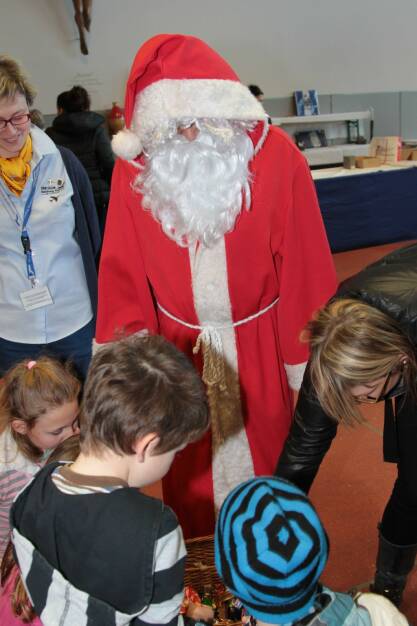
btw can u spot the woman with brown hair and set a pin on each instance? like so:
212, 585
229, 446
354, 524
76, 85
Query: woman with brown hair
363, 350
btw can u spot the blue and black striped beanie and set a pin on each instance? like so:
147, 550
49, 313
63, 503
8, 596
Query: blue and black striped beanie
270, 549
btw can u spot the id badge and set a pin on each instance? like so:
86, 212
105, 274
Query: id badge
36, 298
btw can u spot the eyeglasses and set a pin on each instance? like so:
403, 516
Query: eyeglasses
397, 390
16, 120
187, 123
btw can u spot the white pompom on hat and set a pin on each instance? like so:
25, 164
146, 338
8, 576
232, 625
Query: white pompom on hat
126, 144
179, 76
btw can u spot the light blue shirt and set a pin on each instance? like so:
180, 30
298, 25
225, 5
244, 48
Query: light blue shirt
56, 253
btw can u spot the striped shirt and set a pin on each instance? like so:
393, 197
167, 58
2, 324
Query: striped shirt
105, 553
16, 471
71, 483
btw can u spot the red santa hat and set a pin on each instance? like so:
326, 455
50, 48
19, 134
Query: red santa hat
175, 77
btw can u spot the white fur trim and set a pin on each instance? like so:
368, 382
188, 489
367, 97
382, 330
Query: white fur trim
261, 141
169, 99
97, 346
126, 144
295, 374
232, 458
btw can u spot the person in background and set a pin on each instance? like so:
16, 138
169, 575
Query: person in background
214, 239
49, 237
257, 92
271, 549
38, 410
364, 350
90, 546
37, 118
84, 133
259, 95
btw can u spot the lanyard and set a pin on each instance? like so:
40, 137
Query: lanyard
24, 236
25, 239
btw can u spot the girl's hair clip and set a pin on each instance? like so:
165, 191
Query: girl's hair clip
31, 364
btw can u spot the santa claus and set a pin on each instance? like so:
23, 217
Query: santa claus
214, 239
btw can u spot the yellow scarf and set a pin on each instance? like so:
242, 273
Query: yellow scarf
16, 170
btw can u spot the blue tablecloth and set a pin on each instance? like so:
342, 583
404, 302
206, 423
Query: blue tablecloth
369, 209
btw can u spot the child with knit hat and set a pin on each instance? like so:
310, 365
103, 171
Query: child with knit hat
271, 549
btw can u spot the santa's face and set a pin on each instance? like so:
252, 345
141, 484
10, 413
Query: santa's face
195, 179
189, 132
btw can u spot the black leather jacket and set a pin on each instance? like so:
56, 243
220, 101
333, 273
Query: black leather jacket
390, 285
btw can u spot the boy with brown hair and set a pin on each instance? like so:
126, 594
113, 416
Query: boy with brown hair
91, 548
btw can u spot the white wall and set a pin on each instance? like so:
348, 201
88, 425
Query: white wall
335, 46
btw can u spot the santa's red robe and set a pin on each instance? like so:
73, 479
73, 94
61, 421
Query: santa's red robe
277, 249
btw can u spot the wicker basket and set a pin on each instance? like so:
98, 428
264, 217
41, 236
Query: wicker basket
199, 566
200, 570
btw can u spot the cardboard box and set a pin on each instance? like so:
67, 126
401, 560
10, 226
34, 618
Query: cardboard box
388, 149
349, 162
368, 161
406, 153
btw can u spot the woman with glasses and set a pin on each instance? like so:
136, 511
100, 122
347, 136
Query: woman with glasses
49, 237
363, 350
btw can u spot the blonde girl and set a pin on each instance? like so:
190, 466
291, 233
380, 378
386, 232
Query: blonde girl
38, 411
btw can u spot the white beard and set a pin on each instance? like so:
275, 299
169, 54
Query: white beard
195, 189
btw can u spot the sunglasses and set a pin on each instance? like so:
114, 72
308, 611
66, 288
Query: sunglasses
397, 390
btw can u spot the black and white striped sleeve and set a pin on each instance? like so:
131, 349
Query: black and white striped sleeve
169, 563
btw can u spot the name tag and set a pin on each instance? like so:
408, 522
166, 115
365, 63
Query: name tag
36, 298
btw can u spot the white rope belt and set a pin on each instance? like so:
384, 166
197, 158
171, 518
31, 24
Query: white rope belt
209, 340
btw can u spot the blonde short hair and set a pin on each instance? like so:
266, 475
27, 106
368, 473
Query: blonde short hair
14, 81
353, 343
